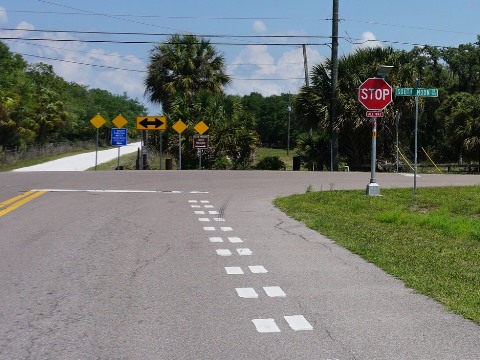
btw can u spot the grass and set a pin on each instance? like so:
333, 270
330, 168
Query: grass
281, 153
432, 242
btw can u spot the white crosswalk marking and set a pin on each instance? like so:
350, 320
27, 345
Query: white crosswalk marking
298, 322
226, 228
223, 252
266, 325
192, 201
258, 269
204, 201
199, 212
234, 270
274, 291
203, 219
195, 206
208, 206
248, 293
244, 251
219, 219
209, 228
215, 239
235, 239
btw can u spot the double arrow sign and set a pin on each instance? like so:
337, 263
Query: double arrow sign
151, 123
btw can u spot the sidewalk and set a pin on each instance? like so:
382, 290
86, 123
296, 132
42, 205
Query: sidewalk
82, 162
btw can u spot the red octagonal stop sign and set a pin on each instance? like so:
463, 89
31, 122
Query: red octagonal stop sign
375, 94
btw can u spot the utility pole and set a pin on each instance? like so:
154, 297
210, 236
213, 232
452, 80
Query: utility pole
288, 129
305, 65
333, 97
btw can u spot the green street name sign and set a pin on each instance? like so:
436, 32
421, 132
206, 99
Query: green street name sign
416, 92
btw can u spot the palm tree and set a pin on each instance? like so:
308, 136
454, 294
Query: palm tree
184, 65
353, 128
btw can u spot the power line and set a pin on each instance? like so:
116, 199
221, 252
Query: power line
238, 18
170, 34
133, 42
145, 71
140, 58
227, 18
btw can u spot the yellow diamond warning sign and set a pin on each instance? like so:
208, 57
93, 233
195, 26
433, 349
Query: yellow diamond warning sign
201, 127
179, 126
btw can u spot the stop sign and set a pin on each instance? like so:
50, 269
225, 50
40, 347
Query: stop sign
375, 94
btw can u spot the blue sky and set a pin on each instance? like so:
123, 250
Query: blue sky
269, 65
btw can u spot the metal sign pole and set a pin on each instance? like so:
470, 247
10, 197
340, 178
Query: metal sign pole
118, 159
397, 120
96, 150
373, 188
416, 141
160, 153
179, 151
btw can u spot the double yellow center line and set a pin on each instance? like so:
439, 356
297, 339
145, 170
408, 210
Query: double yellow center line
17, 201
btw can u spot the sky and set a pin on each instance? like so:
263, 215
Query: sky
261, 40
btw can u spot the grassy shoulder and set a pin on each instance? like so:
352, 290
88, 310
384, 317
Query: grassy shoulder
432, 242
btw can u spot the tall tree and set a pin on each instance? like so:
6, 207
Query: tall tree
185, 64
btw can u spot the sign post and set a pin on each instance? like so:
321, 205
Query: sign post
417, 92
200, 141
119, 138
179, 127
97, 121
374, 94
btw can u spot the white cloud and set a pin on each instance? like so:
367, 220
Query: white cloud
368, 40
3, 16
263, 74
73, 56
259, 27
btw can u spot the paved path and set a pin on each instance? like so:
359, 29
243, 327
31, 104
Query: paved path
82, 162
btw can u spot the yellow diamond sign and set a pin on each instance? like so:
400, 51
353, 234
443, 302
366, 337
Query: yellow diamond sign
201, 127
97, 121
179, 126
119, 121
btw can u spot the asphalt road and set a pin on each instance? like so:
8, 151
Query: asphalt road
200, 265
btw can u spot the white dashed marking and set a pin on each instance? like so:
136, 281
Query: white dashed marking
209, 228
266, 325
199, 212
244, 251
208, 206
195, 206
258, 269
204, 201
213, 212
192, 201
234, 270
298, 322
248, 293
235, 239
219, 219
223, 252
204, 219
226, 228
215, 239
274, 291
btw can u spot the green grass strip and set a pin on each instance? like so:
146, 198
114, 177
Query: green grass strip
431, 242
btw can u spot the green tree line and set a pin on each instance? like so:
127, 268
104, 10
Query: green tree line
187, 77
449, 126
38, 107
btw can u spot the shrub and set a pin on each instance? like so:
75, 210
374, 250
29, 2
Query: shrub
270, 163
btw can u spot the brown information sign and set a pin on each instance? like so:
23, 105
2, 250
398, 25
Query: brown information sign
200, 141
